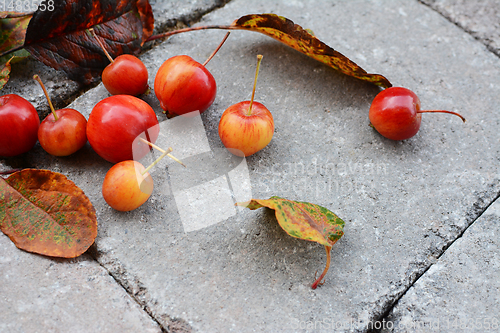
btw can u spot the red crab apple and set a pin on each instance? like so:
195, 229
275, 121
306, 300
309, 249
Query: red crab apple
183, 85
126, 75
126, 187
19, 124
62, 132
395, 113
248, 126
116, 122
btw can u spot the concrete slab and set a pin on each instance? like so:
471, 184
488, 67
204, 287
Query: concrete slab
403, 202
39, 294
461, 291
480, 18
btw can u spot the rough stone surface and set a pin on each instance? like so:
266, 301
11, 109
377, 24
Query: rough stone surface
40, 294
172, 12
461, 291
480, 18
403, 202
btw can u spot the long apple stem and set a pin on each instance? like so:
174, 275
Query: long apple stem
328, 258
163, 151
443, 111
37, 78
101, 45
171, 33
259, 60
217, 49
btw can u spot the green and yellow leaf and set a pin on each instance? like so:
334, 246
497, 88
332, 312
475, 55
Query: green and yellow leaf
304, 220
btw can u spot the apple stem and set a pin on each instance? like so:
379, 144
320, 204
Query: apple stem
101, 45
217, 49
443, 111
37, 78
171, 33
163, 151
328, 258
259, 60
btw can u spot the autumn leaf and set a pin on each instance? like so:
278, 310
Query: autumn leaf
60, 38
5, 72
305, 221
285, 31
44, 212
12, 31
293, 35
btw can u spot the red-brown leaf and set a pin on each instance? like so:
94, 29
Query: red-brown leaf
44, 212
60, 40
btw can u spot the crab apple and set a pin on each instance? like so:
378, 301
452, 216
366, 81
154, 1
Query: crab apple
125, 75
395, 113
19, 123
125, 187
183, 85
65, 135
116, 122
63, 131
246, 127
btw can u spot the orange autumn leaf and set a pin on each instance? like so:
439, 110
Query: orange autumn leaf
293, 35
44, 212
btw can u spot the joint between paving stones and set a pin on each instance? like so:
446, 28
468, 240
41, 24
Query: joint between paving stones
119, 275
188, 20
448, 17
384, 317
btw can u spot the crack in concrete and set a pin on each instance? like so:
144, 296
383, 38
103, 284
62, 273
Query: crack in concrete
138, 292
458, 24
385, 314
189, 19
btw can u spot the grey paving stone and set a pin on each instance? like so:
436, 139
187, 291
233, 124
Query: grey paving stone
461, 291
169, 13
403, 202
480, 18
39, 294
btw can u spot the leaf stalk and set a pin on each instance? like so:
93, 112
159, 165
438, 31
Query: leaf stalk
328, 259
217, 49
